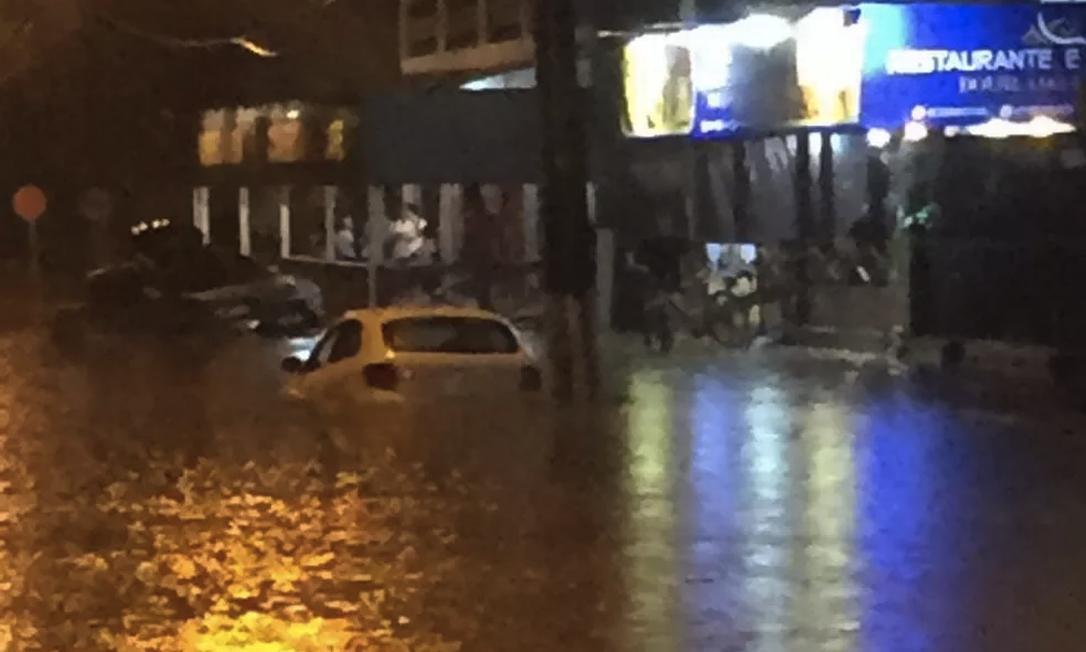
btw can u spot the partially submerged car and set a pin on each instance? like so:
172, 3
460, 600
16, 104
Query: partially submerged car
416, 354
234, 287
173, 284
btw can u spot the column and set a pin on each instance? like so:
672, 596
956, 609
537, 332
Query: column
827, 191
284, 222
376, 233
245, 242
330, 222
690, 189
412, 195
590, 201
605, 276
201, 211
449, 222
804, 225
741, 192
531, 223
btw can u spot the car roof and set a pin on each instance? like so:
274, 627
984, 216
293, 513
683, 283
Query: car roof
393, 313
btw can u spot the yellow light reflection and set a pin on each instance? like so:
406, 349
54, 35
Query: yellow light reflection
256, 632
260, 560
649, 426
798, 556
765, 557
649, 550
826, 603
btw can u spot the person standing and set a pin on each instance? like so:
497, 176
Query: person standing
657, 261
479, 249
345, 241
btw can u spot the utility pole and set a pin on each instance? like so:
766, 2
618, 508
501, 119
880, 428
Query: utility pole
569, 238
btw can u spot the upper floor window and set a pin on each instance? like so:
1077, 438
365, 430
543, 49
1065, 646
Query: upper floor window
280, 133
286, 142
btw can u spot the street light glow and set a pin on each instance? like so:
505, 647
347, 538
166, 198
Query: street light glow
761, 31
878, 138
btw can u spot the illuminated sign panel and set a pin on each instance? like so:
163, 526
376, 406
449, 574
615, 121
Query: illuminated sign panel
882, 66
964, 64
762, 72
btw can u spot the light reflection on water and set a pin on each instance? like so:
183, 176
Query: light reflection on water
764, 529
710, 596
773, 503
907, 562
827, 602
759, 511
651, 540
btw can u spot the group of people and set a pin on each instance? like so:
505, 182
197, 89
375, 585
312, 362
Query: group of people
676, 277
678, 281
400, 239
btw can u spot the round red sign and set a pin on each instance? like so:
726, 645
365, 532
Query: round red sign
29, 203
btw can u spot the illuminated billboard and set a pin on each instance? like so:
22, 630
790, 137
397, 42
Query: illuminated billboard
762, 72
882, 66
959, 65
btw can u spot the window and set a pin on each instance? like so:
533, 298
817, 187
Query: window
335, 148
285, 138
210, 140
341, 342
289, 132
449, 335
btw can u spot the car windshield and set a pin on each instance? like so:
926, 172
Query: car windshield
471, 335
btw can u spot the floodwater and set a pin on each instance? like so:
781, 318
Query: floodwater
737, 503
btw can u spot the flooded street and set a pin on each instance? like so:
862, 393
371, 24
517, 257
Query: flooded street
765, 502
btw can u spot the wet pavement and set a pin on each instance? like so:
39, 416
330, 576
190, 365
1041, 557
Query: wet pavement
756, 502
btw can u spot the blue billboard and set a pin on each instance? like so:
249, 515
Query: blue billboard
872, 65
966, 64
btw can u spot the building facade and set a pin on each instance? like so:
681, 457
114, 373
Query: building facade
748, 127
457, 36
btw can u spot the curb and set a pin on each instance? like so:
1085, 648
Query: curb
979, 358
982, 357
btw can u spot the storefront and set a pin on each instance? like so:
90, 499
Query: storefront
761, 120
972, 109
896, 72
861, 109
785, 129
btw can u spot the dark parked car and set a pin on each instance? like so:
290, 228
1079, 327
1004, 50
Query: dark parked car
173, 284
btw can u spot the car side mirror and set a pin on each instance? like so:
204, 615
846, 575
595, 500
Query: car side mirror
292, 365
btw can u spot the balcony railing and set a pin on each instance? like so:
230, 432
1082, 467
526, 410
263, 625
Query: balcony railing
441, 36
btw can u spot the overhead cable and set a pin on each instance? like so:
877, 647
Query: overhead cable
241, 41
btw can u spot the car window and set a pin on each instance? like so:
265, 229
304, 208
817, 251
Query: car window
340, 342
449, 335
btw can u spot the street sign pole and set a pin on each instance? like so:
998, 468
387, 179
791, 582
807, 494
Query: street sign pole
29, 203
35, 254
569, 248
